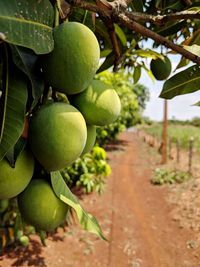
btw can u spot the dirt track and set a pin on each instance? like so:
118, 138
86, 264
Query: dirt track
134, 215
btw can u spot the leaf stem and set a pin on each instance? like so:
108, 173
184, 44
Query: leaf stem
57, 16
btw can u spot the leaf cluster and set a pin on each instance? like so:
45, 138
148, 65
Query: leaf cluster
88, 172
164, 176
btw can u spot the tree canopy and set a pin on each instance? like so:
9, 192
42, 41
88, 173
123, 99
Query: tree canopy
123, 27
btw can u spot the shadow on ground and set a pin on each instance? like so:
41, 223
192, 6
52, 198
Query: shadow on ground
30, 256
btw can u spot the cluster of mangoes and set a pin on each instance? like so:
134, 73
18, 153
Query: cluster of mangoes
60, 132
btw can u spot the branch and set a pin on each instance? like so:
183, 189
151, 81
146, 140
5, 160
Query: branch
88, 6
108, 8
126, 19
123, 19
162, 19
111, 30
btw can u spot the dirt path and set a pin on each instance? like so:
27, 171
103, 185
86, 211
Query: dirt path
134, 215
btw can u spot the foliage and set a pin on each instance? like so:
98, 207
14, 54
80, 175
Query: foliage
26, 34
89, 171
159, 18
12, 227
177, 132
164, 176
133, 100
195, 121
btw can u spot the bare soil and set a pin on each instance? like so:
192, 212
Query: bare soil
143, 225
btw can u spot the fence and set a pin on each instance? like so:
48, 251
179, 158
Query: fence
175, 152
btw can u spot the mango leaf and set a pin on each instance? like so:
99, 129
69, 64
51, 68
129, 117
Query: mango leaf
184, 82
14, 152
195, 9
149, 72
147, 53
121, 35
4, 87
84, 16
105, 52
171, 29
88, 20
193, 39
182, 63
26, 60
197, 104
109, 61
87, 221
100, 29
176, 5
28, 24
137, 5
137, 74
12, 115
194, 49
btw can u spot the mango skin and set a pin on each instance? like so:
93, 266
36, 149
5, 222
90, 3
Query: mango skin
91, 138
161, 69
40, 207
14, 180
99, 104
57, 135
71, 66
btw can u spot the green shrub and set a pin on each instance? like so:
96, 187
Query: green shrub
89, 171
163, 176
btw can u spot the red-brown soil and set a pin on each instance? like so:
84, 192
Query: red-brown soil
135, 215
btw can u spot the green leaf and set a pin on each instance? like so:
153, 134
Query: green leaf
26, 60
193, 39
149, 72
121, 35
100, 29
171, 29
183, 62
137, 74
109, 61
87, 221
175, 5
14, 104
184, 82
147, 53
43, 236
4, 89
28, 24
197, 104
14, 152
195, 9
194, 49
105, 52
137, 5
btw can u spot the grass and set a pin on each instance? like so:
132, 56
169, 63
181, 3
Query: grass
177, 132
164, 176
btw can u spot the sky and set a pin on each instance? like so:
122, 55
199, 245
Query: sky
179, 107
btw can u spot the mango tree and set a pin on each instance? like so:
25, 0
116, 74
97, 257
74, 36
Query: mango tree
51, 50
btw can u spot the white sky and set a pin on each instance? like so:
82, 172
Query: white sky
180, 107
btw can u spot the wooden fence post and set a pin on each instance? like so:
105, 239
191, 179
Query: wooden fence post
170, 148
177, 151
191, 144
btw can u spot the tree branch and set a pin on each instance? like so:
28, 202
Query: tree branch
123, 19
162, 19
128, 19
